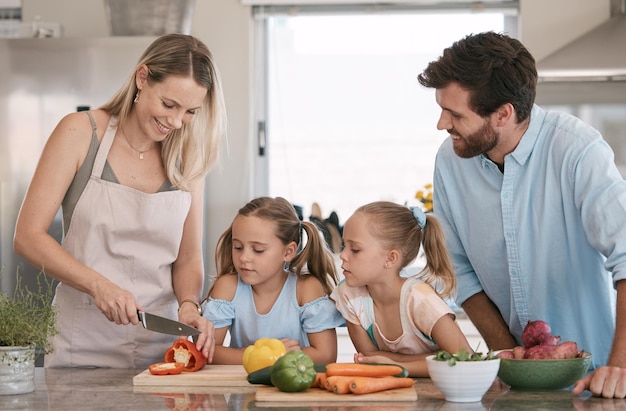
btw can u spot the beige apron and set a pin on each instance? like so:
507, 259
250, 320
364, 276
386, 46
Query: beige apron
132, 238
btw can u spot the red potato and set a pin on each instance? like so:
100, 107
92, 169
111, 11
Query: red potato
508, 354
564, 350
552, 340
519, 352
540, 344
536, 333
539, 352
567, 349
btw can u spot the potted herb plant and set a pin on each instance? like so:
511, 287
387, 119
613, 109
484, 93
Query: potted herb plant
27, 321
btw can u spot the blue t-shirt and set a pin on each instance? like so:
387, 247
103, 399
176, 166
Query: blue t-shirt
545, 239
286, 319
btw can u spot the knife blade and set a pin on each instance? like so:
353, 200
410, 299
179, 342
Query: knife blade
164, 325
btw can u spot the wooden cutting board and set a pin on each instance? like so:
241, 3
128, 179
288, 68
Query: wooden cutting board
210, 376
273, 395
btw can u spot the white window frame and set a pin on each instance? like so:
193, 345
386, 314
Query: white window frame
262, 9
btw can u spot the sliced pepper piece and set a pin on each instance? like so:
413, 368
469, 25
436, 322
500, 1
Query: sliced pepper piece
263, 353
185, 351
166, 368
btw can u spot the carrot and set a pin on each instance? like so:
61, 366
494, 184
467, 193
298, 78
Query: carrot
328, 384
363, 370
322, 382
366, 385
317, 383
339, 384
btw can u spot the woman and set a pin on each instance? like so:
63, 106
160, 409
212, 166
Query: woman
129, 177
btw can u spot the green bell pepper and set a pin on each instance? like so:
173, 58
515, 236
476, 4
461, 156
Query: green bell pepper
293, 372
262, 376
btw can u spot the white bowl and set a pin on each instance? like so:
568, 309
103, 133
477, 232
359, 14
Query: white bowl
466, 381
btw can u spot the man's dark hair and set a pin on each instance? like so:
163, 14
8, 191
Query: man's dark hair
496, 69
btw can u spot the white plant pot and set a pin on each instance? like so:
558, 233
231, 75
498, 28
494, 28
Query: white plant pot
17, 370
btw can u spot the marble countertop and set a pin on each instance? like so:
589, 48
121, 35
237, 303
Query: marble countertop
112, 389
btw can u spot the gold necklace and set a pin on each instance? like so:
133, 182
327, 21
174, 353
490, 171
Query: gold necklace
133, 147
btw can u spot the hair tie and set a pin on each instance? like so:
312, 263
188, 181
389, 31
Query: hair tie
419, 216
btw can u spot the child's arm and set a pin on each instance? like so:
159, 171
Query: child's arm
446, 332
323, 347
367, 352
226, 355
323, 344
224, 289
360, 338
414, 363
448, 335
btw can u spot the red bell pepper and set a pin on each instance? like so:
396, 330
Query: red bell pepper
166, 368
185, 351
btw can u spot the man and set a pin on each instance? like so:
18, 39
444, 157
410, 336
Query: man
533, 207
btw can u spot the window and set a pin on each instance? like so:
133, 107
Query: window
345, 119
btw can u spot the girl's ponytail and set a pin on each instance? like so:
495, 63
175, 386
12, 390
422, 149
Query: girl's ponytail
408, 230
317, 257
438, 261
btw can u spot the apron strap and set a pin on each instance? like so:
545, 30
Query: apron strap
105, 146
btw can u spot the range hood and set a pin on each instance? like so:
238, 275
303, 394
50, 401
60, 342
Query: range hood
599, 55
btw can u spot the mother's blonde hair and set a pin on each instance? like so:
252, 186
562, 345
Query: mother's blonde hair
188, 152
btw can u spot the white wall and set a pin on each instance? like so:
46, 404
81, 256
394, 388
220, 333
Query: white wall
226, 27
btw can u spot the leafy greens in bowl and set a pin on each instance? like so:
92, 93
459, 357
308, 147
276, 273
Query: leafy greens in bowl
464, 355
464, 376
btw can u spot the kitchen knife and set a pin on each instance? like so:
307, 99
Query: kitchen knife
165, 325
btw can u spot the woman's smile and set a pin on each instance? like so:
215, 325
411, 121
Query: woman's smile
162, 128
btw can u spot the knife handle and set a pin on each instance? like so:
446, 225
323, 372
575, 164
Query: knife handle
142, 318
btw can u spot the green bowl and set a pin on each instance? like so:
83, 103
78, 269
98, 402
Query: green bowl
543, 375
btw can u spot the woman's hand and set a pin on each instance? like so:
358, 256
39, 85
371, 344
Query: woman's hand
189, 315
117, 304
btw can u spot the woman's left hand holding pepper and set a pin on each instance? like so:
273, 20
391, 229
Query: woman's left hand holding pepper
188, 314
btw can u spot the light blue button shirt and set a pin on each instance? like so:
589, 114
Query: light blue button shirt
546, 238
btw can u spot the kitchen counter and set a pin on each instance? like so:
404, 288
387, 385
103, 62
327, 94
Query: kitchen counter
112, 389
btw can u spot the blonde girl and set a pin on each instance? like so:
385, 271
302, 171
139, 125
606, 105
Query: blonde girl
390, 318
270, 283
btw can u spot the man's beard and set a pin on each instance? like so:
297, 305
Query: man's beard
479, 142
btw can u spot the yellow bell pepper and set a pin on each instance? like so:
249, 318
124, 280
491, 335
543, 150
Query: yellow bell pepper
263, 353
